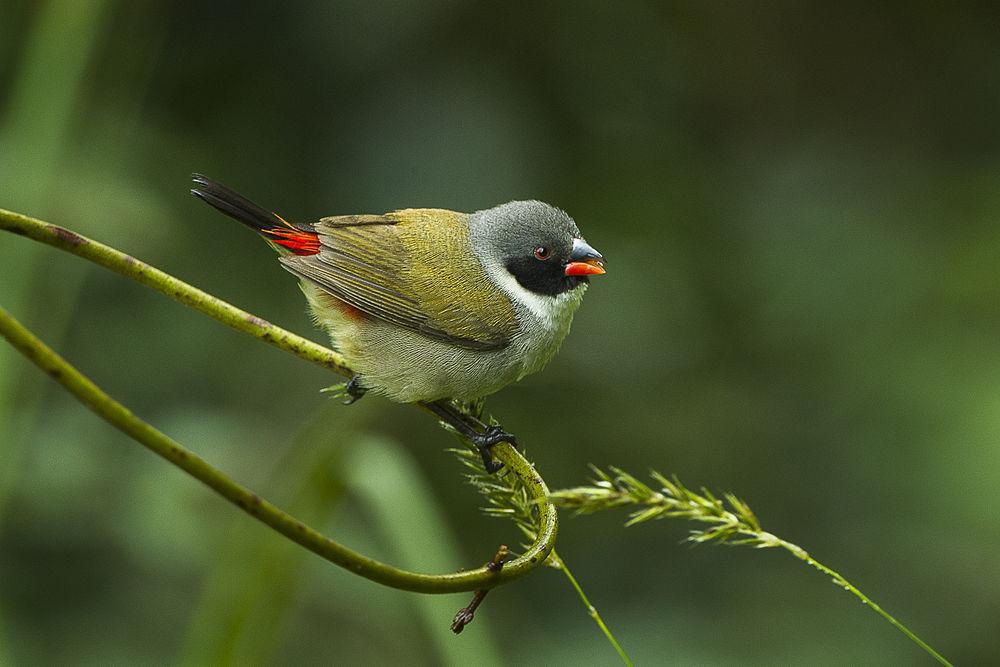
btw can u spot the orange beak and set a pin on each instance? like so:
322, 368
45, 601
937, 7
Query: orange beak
584, 260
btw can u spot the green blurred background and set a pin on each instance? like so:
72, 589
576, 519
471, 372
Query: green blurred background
799, 206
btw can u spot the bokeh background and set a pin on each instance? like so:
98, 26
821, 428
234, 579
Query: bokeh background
799, 205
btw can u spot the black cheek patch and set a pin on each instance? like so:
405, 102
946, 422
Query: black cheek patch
542, 277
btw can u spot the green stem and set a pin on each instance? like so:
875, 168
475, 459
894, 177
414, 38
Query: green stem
118, 415
150, 276
839, 580
121, 417
591, 609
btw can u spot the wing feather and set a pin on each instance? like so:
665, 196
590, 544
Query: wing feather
381, 265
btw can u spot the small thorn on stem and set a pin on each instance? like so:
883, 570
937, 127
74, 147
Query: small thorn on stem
467, 613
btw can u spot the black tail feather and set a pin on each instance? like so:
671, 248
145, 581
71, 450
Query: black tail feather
234, 205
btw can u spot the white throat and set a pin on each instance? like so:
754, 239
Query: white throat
551, 312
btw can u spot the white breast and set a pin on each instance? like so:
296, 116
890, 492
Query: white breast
544, 321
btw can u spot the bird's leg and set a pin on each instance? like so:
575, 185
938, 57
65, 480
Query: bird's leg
467, 426
350, 391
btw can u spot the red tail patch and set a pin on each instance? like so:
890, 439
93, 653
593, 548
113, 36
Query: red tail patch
299, 241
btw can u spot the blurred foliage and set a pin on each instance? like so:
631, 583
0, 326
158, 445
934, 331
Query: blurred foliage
798, 203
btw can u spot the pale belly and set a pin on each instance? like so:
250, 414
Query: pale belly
406, 366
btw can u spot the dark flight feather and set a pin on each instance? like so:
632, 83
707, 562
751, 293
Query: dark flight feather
301, 240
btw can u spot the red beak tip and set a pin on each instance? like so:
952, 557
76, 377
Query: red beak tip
591, 268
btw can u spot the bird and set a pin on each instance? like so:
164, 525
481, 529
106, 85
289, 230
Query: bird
430, 305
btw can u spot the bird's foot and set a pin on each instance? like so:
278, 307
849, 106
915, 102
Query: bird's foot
350, 391
493, 435
468, 427
485, 441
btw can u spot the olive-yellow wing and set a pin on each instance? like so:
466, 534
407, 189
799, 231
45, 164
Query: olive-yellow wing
412, 268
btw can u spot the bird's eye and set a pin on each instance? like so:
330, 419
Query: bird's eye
542, 253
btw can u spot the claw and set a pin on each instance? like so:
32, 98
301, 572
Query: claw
489, 463
485, 441
494, 435
350, 391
